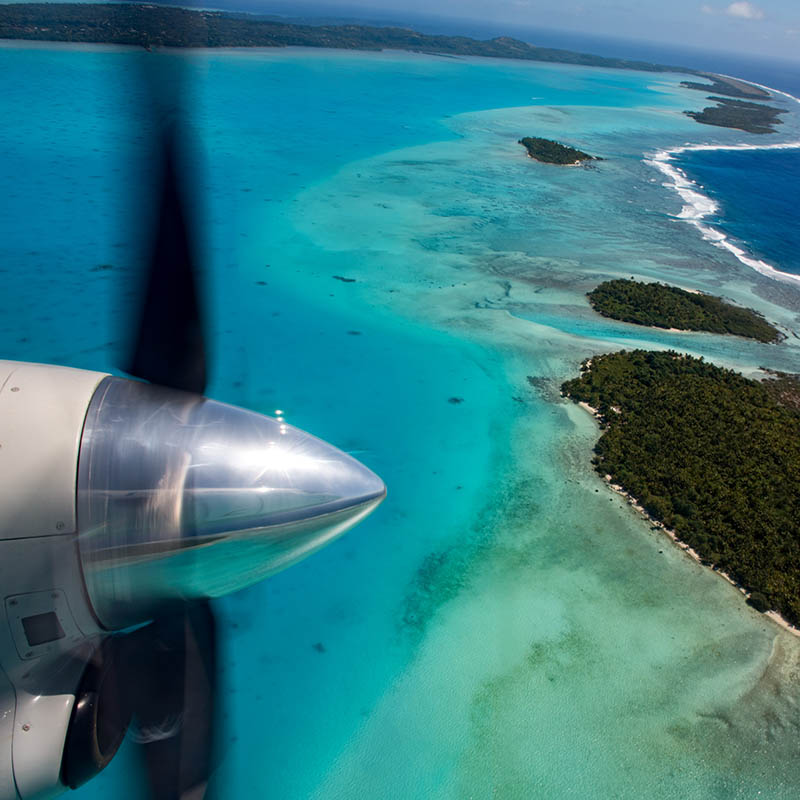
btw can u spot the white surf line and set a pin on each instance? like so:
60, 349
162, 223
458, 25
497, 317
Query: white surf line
760, 86
698, 206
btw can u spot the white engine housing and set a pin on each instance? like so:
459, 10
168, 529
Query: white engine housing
42, 412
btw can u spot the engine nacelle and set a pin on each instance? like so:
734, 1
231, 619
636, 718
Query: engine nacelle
119, 497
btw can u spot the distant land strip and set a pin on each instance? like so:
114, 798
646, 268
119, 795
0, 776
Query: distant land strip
149, 25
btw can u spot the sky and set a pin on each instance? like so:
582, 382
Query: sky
757, 28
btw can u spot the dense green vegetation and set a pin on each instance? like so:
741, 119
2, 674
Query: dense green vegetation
740, 114
665, 306
711, 454
552, 152
151, 25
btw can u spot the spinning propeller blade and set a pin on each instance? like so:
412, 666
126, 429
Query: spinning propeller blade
174, 657
170, 342
174, 688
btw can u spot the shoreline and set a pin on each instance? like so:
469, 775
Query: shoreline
761, 86
691, 552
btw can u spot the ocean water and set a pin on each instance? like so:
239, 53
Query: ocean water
756, 197
503, 626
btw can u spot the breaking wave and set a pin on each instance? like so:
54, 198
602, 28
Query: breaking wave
698, 206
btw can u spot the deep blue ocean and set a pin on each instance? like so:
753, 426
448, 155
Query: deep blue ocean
757, 196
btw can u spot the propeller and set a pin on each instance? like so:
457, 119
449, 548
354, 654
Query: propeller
173, 665
181, 498
169, 348
173, 660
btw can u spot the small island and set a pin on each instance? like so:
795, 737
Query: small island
743, 115
709, 455
551, 152
661, 306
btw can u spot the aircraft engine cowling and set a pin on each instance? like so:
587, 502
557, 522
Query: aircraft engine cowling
126, 503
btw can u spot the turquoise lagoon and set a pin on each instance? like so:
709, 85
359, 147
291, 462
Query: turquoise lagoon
504, 626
